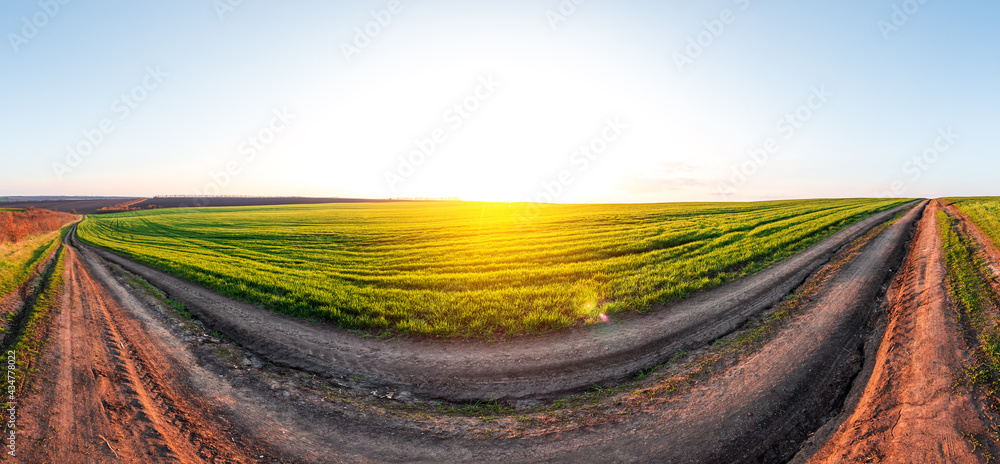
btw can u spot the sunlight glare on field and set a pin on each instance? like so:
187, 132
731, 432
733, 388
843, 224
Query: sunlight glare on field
467, 269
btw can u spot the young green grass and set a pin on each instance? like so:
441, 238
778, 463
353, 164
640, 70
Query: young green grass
969, 286
29, 343
969, 280
453, 269
19, 260
984, 212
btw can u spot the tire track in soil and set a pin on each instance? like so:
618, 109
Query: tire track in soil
910, 410
64, 410
989, 250
114, 397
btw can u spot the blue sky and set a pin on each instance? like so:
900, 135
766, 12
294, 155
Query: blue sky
631, 101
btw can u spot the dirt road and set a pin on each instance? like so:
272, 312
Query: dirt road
533, 368
911, 410
110, 391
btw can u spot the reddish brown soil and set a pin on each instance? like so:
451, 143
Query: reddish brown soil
11, 305
911, 410
109, 392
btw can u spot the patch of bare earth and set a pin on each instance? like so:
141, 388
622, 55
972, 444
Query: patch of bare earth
912, 409
107, 391
10, 305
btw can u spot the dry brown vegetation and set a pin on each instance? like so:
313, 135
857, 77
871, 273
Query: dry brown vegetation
17, 225
122, 207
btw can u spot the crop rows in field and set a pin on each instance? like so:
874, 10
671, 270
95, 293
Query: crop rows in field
470, 269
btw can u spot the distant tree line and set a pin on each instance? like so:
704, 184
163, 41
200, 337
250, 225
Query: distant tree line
426, 199
121, 207
220, 196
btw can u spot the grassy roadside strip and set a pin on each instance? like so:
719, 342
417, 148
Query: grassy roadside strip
978, 310
22, 347
30, 341
135, 281
984, 212
13, 280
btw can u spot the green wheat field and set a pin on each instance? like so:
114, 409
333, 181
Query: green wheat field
474, 270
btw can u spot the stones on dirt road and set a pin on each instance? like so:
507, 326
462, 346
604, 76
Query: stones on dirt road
252, 361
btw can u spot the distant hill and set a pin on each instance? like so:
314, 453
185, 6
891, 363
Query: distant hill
188, 202
79, 205
92, 205
10, 199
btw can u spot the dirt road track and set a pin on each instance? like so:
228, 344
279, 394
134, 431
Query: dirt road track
570, 361
910, 411
111, 392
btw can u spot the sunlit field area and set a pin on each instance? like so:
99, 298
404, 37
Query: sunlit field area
19, 260
453, 269
984, 211
27, 238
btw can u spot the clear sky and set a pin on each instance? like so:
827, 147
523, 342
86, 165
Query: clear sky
493, 100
